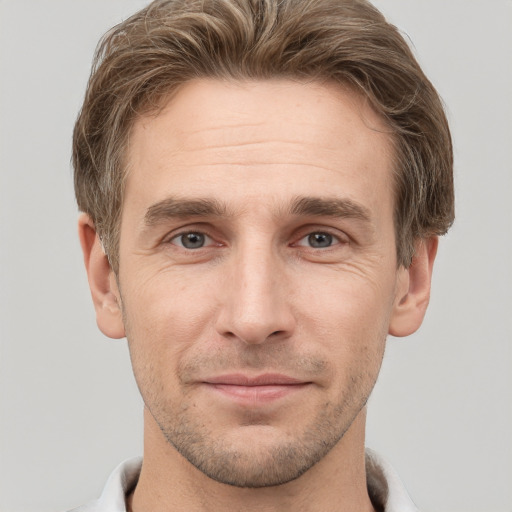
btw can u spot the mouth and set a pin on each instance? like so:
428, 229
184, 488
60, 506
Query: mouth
255, 389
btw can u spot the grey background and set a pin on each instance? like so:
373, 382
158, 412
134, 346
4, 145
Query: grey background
69, 408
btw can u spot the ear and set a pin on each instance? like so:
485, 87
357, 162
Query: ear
102, 280
413, 289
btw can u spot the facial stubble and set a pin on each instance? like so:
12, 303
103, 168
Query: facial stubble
280, 456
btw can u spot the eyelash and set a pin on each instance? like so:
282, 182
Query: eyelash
182, 234
333, 239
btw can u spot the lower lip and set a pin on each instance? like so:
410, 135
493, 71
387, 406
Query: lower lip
257, 394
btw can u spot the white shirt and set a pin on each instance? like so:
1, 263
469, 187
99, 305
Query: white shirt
384, 487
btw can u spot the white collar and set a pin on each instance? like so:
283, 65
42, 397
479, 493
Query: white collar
384, 486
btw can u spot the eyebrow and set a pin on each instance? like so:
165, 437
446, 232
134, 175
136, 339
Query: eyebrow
330, 207
171, 207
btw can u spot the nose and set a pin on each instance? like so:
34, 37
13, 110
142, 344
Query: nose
256, 306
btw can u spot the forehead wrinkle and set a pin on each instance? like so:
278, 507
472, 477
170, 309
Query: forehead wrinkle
235, 145
222, 127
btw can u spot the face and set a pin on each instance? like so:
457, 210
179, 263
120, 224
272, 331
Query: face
258, 276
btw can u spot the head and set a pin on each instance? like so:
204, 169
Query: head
267, 180
145, 59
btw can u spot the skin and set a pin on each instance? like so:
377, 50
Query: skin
257, 240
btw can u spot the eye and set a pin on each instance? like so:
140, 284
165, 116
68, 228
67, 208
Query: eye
318, 240
191, 240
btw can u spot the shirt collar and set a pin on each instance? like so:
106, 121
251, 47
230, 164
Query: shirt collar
384, 486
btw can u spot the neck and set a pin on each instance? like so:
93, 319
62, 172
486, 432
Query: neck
169, 482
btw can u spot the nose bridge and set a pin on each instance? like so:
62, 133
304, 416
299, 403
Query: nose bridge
256, 306
257, 278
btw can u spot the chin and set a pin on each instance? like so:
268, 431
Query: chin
255, 456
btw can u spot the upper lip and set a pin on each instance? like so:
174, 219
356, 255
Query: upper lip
266, 379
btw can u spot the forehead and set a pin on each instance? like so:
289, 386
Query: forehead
243, 140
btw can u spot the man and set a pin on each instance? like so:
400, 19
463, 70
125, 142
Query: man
262, 185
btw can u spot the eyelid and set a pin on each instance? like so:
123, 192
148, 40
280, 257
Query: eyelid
192, 228
339, 237
208, 240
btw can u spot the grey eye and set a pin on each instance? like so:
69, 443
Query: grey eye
192, 240
320, 240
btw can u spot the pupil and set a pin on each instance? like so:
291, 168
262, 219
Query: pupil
192, 240
320, 240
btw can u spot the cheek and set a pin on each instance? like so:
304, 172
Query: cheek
348, 318
346, 300
164, 316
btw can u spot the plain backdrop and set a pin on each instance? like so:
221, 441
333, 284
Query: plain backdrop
69, 408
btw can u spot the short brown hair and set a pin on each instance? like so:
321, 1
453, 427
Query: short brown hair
171, 42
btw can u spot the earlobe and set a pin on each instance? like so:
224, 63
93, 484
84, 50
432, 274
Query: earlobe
102, 281
413, 290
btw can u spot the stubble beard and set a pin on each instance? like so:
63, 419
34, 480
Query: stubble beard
275, 463
257, 465
269, 466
